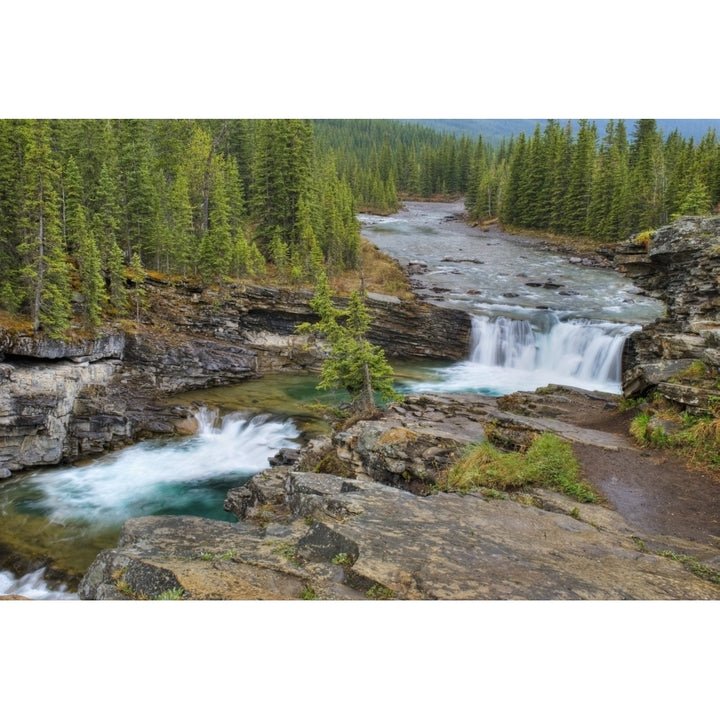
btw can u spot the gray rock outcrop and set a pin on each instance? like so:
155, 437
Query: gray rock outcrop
358, 539
62, 400
679, 265
305, 534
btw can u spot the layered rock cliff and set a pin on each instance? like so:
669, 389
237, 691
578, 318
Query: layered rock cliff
63, 400
679, 354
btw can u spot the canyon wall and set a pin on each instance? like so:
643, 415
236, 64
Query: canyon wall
679, 354
63, 400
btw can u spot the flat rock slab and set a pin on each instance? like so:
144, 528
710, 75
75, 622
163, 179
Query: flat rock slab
353, 539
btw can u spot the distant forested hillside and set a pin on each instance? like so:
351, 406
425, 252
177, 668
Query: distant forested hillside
495, 130
384, 160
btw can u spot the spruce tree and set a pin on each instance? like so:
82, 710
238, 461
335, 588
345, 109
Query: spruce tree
647, 176
217, 247
44, 267
281, 177
136, 275
513, 210
697, 201
138, 190
80, 241
180, 221
12, 293
353, 364
575, 216
92, 285
562, 156
106, 224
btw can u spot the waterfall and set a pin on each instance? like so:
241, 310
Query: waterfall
32, 586
580, 349
82, 507
168, 476
510, 354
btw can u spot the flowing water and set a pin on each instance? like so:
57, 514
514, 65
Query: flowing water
536, 319
67, 515
537, 316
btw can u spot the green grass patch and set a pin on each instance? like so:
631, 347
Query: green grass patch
177, 593
697, 436
308, 593
694, 566
287, 551
548, 462
379, 592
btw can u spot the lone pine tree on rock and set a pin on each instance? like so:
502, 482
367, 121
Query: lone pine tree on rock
353, 363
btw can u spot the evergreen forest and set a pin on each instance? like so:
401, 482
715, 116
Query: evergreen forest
90, 207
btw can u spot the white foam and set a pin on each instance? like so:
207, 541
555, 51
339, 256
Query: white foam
132, 481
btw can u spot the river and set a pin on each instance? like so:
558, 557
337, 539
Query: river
537, 318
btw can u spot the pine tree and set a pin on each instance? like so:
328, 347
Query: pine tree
533, 184
514, 206
106, 224
72, 200
281, 176
81, 243
44, 269
180, 221
561, 158
138, 190
575, 219
697, 201
353, 364
647, 176
217, 247
12, 293
280, 255
679, 155
136, 276
92, 285
91, 144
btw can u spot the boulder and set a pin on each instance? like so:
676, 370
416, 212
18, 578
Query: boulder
308, 534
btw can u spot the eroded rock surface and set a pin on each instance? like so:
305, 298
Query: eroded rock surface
680, 265
63, 400
361, 539
306, 534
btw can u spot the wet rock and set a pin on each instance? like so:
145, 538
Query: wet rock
313, 534
678, 265
63, 400
414, 442
380, 542
474, 261
109, 346
37, 410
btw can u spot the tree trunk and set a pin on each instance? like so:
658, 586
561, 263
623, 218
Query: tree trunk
366, 400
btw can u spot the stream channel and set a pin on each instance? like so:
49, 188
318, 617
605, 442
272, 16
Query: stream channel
538, 317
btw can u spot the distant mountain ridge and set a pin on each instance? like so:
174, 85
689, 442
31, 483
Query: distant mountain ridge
494, 130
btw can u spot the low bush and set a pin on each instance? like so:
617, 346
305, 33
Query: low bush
548, 462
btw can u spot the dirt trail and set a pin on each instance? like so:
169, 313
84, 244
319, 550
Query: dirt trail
654, 490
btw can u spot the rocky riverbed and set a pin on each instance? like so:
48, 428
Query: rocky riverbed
356, 531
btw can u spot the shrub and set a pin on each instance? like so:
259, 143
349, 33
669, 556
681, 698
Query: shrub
548, 462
